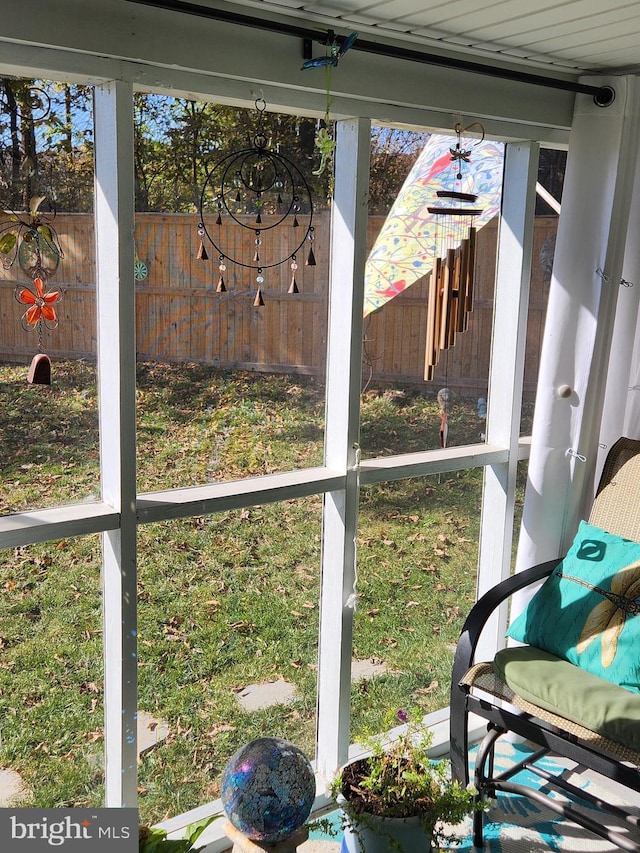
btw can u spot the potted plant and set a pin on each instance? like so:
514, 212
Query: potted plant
398, 800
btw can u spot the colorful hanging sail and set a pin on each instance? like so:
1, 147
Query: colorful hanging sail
406, 247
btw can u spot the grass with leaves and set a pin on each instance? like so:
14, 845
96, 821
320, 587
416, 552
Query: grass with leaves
225, 600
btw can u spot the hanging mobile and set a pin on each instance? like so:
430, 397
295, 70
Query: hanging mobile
33, 241
259, 191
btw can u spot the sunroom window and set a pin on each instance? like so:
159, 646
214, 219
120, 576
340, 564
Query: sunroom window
245, 452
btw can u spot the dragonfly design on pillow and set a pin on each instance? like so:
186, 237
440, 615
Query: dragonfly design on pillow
607, 619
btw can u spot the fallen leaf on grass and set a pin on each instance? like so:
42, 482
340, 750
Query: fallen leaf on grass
219, 729
421, 691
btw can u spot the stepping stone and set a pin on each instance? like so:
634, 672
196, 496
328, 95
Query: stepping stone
12, 788
151, 732
255, 697
367, 668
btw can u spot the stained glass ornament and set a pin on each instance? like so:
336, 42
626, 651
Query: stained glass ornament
256, 187
38, 252
41, 305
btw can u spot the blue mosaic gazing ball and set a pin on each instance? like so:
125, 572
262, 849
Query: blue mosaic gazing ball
268, 788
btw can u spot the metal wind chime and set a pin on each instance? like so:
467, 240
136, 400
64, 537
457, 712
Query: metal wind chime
38, 252
31, 239
258, 190
451, 281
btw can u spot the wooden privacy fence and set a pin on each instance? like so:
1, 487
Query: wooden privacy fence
181, 318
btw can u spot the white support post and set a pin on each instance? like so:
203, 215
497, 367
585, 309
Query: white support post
513, 274
587, 269
344, 376
114, 216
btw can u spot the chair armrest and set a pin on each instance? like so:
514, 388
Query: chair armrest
464, 658
482, 610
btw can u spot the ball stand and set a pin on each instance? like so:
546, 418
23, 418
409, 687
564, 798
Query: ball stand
242, 844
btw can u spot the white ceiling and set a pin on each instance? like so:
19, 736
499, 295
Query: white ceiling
600, 36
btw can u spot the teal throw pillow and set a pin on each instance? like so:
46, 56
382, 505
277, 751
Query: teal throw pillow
588, 610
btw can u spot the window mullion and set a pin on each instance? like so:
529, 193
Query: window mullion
342, 424
513, 274
114, 217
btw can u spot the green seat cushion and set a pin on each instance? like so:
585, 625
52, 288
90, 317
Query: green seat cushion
587, 611
562, 688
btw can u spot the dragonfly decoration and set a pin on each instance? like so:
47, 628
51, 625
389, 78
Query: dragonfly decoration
463, 155
325, 143
336, 52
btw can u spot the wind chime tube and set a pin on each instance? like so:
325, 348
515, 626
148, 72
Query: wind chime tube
447, 287
468, 302
437, 320
462, 285
431, 350
455, 297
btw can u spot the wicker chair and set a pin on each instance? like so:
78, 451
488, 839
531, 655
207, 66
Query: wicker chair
477, 689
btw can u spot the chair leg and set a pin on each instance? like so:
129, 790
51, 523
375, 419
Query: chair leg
483, 778
459, 736
478, 827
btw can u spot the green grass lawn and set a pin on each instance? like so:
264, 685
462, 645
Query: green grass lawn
224, 600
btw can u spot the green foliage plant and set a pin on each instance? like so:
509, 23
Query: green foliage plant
399, 780
152, 840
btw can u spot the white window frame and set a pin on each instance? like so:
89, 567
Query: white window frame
120, 509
